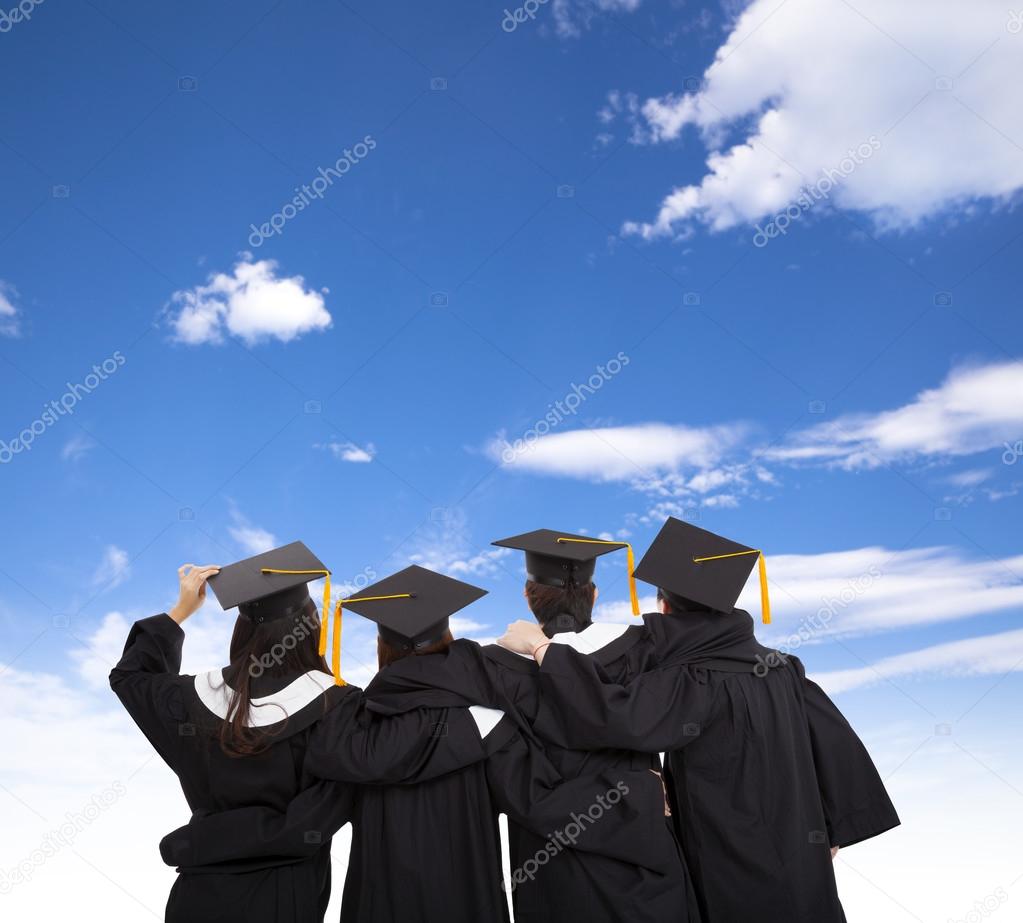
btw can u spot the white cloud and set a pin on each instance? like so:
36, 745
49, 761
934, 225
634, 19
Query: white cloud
251, 302
10, 322
641, 452
975, 409
572, 17
207, 643
253, 539
113, 569
813, 81
444, 545
868, 590
999, 653
76, 447
349, 451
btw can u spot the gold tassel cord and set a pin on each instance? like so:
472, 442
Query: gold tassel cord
326, 598
630, 563
336, 649
765, 601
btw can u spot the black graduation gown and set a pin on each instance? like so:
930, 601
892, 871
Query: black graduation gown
181, 717
763, 772
623, 865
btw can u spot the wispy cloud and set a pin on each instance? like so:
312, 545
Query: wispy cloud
444, 545
573, 17
349, 451
975, 409
77, 447
10, 321
808, 111
998, 653
252, 538
114, 568
870, 590
252, 302
622, 453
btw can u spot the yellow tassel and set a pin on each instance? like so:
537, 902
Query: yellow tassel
324, 612
630, 564
765, 602
336, 659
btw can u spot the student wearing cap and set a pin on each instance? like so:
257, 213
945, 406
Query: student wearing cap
625, 865
246, 736
766, 778
431, 852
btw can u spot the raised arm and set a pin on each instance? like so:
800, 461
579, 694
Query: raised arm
584, 709
617, 813
856, 804
351, 744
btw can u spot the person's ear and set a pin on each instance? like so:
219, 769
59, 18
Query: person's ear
664, 606
596, 592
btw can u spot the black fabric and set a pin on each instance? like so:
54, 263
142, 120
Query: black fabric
670, 563
273, 873
624, 866
763, 773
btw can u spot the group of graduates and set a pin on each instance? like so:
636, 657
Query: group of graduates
560, 726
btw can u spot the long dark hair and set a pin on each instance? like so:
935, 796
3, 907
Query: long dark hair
550, 604
281, 647
389, 653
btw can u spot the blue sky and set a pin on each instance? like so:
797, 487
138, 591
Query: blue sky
846, 397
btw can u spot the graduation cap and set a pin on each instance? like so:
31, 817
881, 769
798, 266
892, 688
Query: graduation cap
708, 569
411, 608
561, 559
274, 585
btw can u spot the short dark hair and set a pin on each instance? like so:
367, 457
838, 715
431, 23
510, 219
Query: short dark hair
549, 602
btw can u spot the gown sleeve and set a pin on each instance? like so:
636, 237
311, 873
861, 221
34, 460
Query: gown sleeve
856, 804
525, 785
256, 836
146, 680
347, 746
583, 708
351, 745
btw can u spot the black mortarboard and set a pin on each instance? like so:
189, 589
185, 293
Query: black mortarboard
561, 559
270, 585
411, 608
703, 567
273, 585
